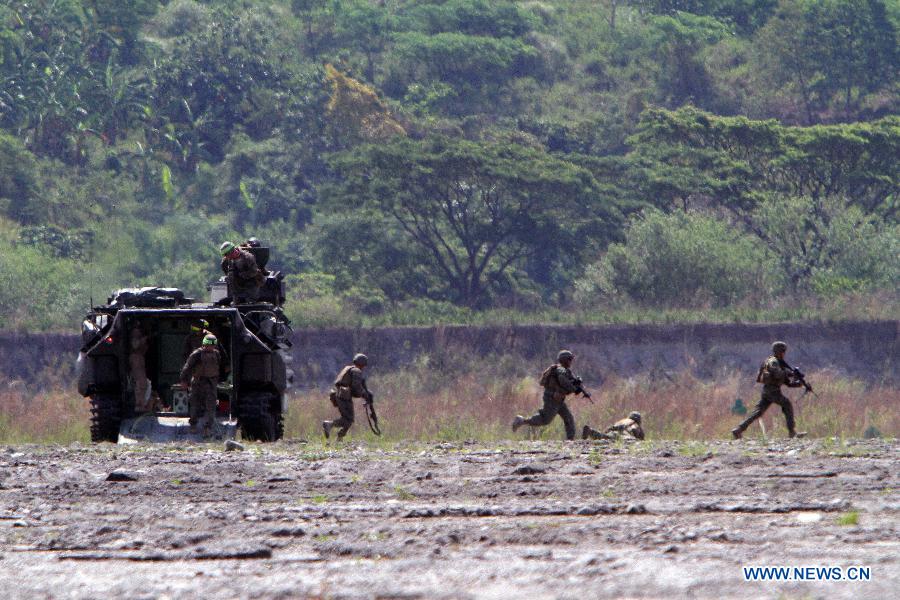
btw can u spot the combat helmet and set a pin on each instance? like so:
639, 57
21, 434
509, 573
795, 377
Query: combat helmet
360, 360
226, 248
635, 416
564, 354
210, 340
778, 347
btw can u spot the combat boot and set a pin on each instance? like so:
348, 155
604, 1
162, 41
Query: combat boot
796, 434
326, 427
736, 433
518, 422
586, 432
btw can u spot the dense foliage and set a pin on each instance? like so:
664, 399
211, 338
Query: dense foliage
417, 160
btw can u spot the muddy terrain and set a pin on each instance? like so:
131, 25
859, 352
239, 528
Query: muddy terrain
519, 520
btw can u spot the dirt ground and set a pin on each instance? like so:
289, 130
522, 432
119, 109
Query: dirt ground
514, 520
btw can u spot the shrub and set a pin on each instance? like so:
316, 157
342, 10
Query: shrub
681, 260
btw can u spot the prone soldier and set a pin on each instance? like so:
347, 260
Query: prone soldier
773, 374
348, 384
558, 382
628, 426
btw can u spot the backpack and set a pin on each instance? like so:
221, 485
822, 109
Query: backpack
549, 372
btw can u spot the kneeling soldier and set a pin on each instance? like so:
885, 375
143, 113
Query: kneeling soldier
202, 370
630, 426
349, 384
558, 382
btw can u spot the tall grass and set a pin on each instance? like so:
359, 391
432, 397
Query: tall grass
479, 405
686, 408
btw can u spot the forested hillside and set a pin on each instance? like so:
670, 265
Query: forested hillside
418, 161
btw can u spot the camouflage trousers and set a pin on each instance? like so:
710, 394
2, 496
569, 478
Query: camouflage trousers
240, 292
203, 399
591, 433
768, 399
553, 407
345, 422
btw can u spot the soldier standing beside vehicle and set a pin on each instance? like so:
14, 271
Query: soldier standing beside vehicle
348, 384
202, 372
558, 382
139, 343
243, 276
773, 374
630, 426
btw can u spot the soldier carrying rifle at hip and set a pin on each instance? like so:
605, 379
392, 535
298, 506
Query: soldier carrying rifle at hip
350, 384
558, 382
773, 374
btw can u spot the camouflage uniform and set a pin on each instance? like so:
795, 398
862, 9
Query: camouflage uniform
202, 369
560, 384
243, 277
139, 343
773, 374
349, 384
623, 427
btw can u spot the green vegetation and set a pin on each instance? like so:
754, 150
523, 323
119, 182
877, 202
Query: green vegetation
469, 161
849, 518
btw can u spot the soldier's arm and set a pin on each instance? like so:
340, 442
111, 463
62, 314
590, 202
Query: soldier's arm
566, 381
188, 368
639, 432
358, 384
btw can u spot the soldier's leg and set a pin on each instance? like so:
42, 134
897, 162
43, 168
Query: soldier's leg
589, 432
545, 415
139, 376
209, 407
757, 412
788, 410
194, 405
568, 420
345, 422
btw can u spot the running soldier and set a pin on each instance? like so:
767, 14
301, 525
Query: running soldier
773, 374
349, 384
558, 382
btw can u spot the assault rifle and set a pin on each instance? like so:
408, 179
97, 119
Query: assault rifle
371, 415
798, 377
579, 389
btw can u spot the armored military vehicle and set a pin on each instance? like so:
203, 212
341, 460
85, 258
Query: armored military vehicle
254, 340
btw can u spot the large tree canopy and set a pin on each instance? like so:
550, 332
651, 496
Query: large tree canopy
474, 210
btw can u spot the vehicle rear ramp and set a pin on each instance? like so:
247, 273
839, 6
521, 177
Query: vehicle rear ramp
162, 428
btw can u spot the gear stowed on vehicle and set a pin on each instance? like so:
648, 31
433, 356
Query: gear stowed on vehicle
135, 345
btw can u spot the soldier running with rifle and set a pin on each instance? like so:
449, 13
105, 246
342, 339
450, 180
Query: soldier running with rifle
350, 384
773, 374
558, 382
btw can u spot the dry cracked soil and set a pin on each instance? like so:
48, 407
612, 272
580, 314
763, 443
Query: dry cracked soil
460, 520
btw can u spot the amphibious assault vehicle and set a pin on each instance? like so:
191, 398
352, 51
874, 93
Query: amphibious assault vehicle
254, 339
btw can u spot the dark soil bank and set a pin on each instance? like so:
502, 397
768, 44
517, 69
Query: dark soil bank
867, 351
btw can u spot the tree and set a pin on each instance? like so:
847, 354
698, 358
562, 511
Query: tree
830, 54
730, 162
474, 210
